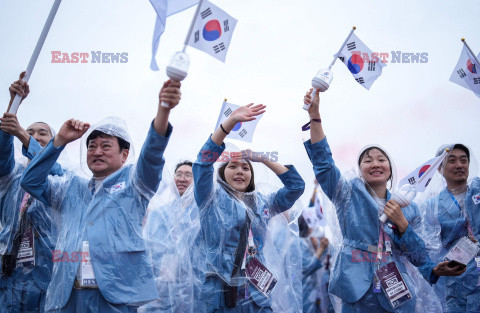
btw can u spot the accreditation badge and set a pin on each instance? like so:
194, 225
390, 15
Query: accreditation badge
86, 275
26, 252
393, 285
463, 251
260, 276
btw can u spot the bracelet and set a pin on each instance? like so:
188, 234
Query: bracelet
221, 126
307, 126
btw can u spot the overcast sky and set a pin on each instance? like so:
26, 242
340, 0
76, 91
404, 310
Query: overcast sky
276, 49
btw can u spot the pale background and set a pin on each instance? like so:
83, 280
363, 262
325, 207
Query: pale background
276, 49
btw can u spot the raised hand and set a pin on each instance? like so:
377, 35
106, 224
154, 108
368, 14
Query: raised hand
243, 114
170, 93
19, 87
10, 124
314, 110
247, 113
70, 131
250, 155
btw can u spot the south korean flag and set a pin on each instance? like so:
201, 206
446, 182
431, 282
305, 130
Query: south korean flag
467, 72
242, 130
364, 66
422, 175
212, 30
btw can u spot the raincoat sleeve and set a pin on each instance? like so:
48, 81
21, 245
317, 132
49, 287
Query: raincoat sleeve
203, 170
293, 188
151, 161
310, 263
326, 173
7, 160
413, 247
34, 148
35, 177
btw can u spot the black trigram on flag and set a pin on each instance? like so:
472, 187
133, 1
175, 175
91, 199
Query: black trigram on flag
227, 112
226, 28
242, 133
411, 180
219, 47
428, 182
342, 59
371, 66
206, 13
351, 45
461, 73
476, 80
360, 80
197, 36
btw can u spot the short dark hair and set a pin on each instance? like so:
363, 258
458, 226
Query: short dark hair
182, 163
251, 185
366, 153
123, 144
302, 227
459, 146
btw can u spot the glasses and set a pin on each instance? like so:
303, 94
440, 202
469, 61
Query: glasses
183, 174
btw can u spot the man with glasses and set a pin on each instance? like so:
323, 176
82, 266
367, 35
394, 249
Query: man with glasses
171, 232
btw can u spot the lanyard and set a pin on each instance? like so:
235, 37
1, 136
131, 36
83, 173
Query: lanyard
381, 238
26, 201
250, 250
469, 226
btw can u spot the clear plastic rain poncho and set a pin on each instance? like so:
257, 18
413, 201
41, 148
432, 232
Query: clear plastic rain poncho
315, 295
236, 227
457, 212
352, 211
28, 231
285, 233
100, 245
171, 231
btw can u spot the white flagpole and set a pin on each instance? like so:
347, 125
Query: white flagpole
36, 53
471, 52
194, 20
341, 48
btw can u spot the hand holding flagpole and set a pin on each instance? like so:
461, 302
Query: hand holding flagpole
178, 67
324, 77
38, 48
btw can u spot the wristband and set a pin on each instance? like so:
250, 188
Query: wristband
221, 126
307, 126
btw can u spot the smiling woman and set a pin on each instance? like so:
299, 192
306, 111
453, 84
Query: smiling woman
234, 219
387, 249
238, 174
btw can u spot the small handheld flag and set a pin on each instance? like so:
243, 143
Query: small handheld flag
417, 181
165, 8
467, 70
360, 61
423, 174
243, 130
212, 30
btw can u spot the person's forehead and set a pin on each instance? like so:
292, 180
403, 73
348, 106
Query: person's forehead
105, 138
185, 168
457, 153
39, 127
374, 153
238, 162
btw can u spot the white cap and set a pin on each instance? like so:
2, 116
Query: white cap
113, 126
